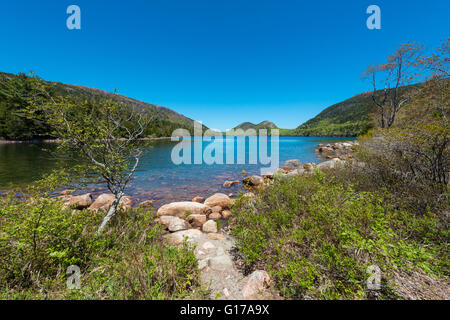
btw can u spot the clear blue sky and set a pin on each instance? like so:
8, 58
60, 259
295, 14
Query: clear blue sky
220, 62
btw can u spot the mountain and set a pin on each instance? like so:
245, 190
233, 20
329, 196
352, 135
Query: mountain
14, 125
347, 118
262, 125
352, 117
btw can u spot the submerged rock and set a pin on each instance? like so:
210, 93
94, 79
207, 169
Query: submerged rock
229, 184
66, 192
146, 204
198, 199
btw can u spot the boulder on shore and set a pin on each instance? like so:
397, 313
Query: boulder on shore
347, 145
177, 238
215, 216
296, 172
268, 175
219, 199
210, 227
196, 220
226, 214
173, 223
330, 164
78, 202
105, 200
255, 283
292, 164
253, 181
179, 209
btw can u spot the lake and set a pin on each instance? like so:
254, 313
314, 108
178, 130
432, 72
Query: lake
157, 177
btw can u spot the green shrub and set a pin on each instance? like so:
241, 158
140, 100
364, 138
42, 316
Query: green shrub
411, 161
39, 239
135, 263
316, 236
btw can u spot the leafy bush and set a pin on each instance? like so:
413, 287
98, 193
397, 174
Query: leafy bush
412, 161
316, 236
39, 239
135, 263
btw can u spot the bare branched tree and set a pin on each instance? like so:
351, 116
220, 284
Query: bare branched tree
388, 79
106, 134
437, 86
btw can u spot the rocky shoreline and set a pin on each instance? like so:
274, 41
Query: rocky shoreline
339, 150
203, 222
199, 222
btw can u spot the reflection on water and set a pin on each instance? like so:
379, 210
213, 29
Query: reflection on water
157, 176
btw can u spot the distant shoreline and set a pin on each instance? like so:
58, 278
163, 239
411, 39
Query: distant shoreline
2, 141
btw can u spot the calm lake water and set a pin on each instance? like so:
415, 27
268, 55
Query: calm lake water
157, 177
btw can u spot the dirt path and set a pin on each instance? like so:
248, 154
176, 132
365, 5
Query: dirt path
218, 271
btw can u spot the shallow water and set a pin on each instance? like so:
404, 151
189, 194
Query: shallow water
157, 177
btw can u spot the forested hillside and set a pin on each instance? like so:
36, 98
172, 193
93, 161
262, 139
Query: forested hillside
352, 117
16, 92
